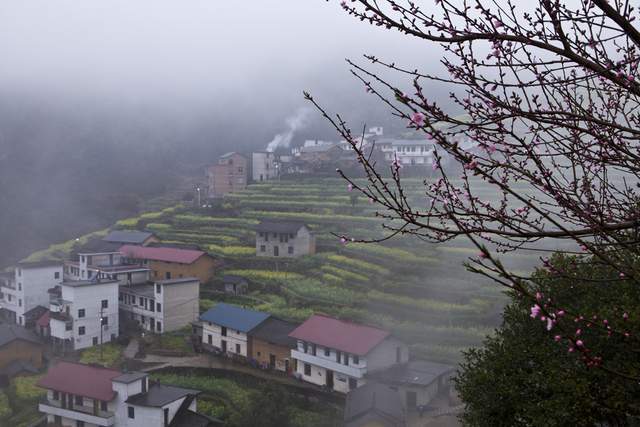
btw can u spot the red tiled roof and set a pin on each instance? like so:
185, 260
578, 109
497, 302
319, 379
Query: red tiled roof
44, 319
182, 256
344, 336
82, 380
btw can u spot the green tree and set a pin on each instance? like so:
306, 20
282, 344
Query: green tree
521, 377
267, 408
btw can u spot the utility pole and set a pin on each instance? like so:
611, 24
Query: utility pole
101, 349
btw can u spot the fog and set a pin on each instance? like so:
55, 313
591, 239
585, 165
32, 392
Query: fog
101, 103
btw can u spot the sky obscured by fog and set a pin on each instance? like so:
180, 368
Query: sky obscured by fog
101, 102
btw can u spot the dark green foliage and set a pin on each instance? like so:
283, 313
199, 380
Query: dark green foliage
522, 377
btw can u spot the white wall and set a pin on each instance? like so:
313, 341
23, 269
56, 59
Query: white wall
233, 337
32, 285
89, 298
384, 354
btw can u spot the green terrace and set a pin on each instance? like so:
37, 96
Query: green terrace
418, 290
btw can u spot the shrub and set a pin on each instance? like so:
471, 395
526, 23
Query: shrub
111, 354
26, 388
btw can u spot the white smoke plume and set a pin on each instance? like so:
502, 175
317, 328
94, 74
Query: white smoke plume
299, 120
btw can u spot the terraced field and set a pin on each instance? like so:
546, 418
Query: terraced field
418, 290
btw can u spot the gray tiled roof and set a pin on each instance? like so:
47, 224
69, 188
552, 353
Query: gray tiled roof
159, 395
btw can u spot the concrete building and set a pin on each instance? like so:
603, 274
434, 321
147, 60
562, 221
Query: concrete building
264, 166
225, 328
83, 313
235, 285
28, 288
287, 239
407, 151
338, 354
229, 175
374, 405
167, 263
89, 395
104, 260
419, 382
161, 306
271, 344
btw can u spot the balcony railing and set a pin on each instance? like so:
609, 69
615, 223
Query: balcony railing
78, 412
350, 370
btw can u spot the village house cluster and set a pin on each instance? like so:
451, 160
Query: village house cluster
233, 171
338, 355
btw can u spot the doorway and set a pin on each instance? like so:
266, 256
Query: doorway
329, 379
412, 400
272, 361
224, 346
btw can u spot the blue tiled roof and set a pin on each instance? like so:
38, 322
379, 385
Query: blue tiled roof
234, 317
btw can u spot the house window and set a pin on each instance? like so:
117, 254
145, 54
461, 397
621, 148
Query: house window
313, 349
291, 236
158, 307
338, 356
95, 340
238, 348
327, 351
19, 286
19, 302
209, 339
152, 306
261, 234
158, 326
79, 401
56, 275
141, 301
105, 320
266, 237
120, 296
158, 289
356, 359
105, 303
276, 251
56, 395
263, 248
131, 412
290, 250
19, 272
81, 312
167, 275
304, 346
307, 369
79, 423
81, 330
166, 417
223, 331
345, 360
103, 405
68, 327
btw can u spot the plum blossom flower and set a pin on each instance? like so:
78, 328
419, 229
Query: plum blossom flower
621, 275
557, 338
538, 296
535, 311
343, 240
550, 323
350, 187
417, 119
579, 343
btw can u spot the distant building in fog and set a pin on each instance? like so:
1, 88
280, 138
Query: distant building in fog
228, 175
264, 166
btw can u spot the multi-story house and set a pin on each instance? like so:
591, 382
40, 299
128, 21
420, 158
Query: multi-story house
407, 151
225, 328
83, 313
287, 239
228, 175
106, 261
337, 354
264, 166
168, 263
28, 288
161, 306
80, 395
20, 351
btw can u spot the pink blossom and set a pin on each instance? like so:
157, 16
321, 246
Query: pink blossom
579, 343
550, 323
482, 254
350, 187
621, 275
560, 313
535, 311
571, 350
578, 332
497, 23
343, 240
557, 338
417, 118
538, 296
625, 316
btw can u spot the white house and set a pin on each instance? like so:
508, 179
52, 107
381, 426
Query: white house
84, 313
264, 166
89, 395
286, 239
104, 260
225, 328
28, 288
337, 354
163, 305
